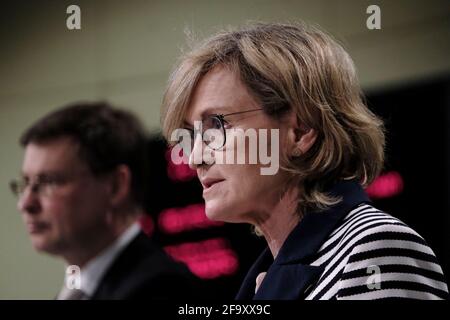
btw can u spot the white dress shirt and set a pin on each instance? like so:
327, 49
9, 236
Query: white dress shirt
95, 269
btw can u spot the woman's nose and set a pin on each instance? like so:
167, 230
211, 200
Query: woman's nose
196, 155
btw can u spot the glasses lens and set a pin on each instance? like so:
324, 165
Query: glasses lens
214, 133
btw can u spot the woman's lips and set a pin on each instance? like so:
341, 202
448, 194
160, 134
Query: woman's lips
211, 186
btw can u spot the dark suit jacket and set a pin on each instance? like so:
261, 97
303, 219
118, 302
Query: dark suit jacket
144, 271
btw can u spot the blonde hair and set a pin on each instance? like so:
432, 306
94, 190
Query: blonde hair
293, 68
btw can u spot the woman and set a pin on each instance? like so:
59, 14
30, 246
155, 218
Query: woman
325, 240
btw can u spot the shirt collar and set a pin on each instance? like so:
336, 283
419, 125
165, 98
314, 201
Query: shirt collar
94, 270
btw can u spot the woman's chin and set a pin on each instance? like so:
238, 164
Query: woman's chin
216, 212
213, 214
221, 213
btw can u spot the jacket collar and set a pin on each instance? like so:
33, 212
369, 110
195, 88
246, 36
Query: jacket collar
289, 274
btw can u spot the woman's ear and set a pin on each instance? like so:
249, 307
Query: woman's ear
307, 138
120, 186
302, 138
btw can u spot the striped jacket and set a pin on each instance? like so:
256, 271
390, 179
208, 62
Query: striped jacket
350, 251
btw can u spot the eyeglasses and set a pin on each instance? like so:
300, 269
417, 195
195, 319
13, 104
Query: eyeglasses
46, 185
214, 131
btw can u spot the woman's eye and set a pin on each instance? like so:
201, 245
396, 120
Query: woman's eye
215, 123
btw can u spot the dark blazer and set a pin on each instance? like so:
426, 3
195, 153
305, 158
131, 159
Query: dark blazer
328, 253
144, 271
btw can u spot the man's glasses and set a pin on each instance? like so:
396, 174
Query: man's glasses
46, 185
214, 131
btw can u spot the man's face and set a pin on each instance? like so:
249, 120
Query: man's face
68, 212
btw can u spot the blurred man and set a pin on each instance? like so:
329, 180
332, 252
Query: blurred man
80, 195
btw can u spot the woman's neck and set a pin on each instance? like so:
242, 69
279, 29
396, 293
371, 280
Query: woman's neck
281, 221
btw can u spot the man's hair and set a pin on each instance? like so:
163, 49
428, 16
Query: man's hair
292, 68
107, 137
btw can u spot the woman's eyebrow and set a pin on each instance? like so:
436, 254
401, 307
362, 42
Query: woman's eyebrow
218, 110
212, 111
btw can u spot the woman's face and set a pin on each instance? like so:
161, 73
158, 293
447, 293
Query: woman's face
235, 192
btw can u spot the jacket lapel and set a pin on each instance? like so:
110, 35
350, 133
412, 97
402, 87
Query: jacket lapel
287, 282
247, 290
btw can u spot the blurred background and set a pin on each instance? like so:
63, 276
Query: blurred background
124, 53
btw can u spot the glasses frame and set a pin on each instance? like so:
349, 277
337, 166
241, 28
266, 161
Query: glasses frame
222, 120
19, 186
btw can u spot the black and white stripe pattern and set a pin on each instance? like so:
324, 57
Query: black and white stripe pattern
372, 255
